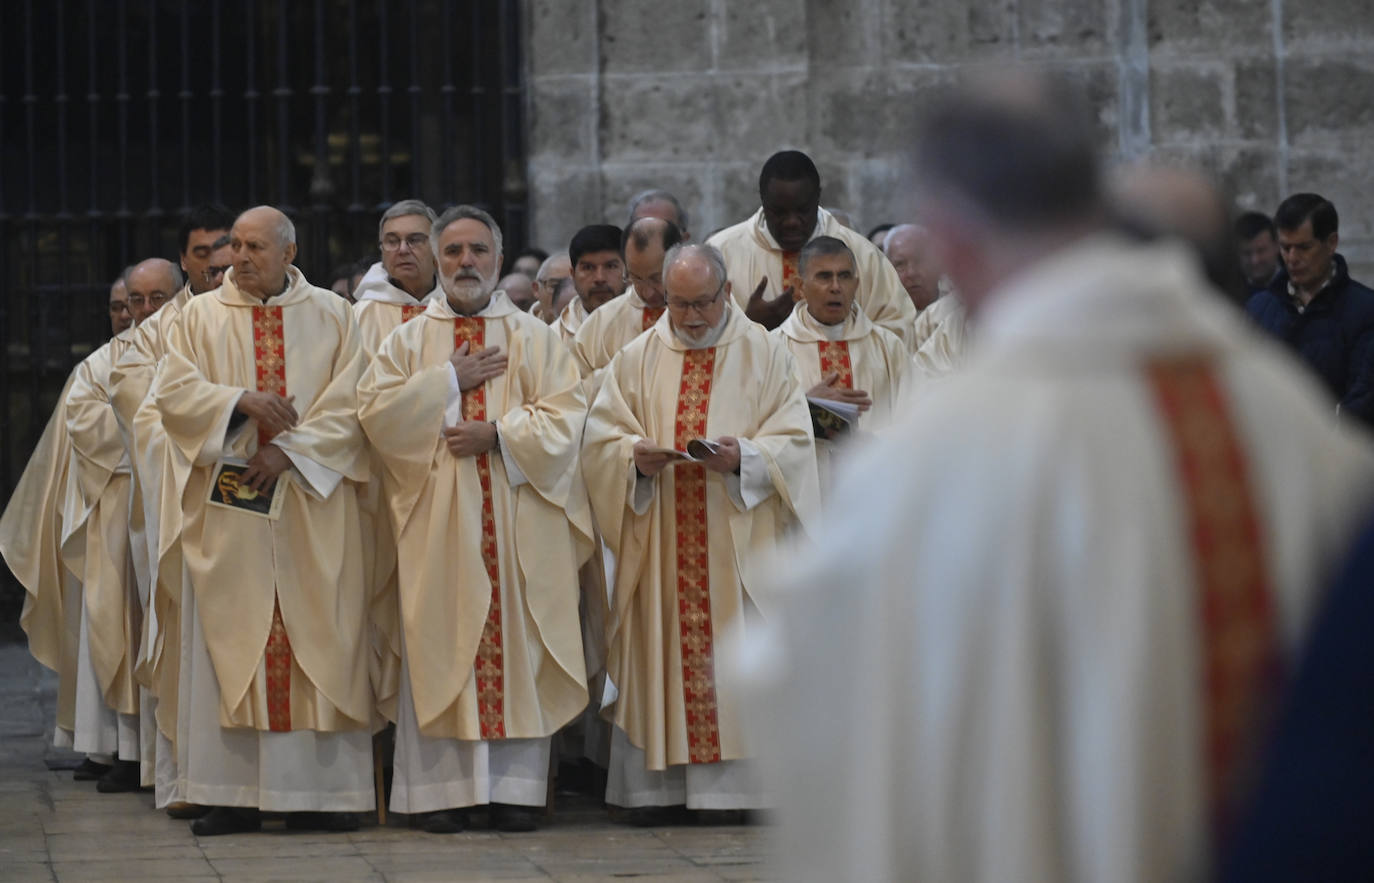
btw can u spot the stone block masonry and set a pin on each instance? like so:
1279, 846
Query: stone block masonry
1272, 96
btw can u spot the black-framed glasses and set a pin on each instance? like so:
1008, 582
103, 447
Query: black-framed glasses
701, 306
414, 240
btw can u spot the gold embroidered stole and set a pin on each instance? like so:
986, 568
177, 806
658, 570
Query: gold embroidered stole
791, 274
410, 311
1235, 600
488, 668
269, 350
835, 357
693, 570
651, 315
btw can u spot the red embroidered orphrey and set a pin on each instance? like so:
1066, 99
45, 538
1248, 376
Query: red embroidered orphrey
410, 311
693, 572
835, 357
651, 315
488, 668
269, 353
1235, 601
791, 274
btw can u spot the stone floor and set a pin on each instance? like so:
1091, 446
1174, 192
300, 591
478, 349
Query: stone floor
52, 828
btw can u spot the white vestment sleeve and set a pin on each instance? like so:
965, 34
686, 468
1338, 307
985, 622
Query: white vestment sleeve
641, 490
320, 481
514, 476
453, 410
753, 484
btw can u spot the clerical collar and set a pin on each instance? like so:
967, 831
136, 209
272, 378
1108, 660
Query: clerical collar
829, 332
711, 339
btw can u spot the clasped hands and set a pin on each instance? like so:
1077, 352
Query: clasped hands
725, 460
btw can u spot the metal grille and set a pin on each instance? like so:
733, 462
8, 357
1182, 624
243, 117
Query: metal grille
116, 115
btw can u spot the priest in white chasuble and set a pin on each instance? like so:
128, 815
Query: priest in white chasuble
31, 531
396, 289
598, 274
622, 319
841, 356
761, 251
687, 535
392, 292
264, 371
96, 548
1055, 602
475, 410
155, 531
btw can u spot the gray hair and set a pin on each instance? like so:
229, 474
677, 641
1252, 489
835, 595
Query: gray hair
684, 250
405, 208
656, 195
824, 246
543, 273
461, 212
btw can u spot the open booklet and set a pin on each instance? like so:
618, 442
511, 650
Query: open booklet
831, 419
227, 492
697, 450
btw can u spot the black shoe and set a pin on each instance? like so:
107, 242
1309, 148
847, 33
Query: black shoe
653, 816
322, 821
180, 809
89, 770
512, 819
718, 817
123, 776
443, 821
226, 820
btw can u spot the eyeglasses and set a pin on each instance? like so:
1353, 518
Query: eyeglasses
157, 299
414, 240
701, 306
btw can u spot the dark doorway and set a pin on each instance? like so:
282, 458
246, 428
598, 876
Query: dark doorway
116, 115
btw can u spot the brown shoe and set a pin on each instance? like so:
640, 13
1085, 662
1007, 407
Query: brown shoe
180, 809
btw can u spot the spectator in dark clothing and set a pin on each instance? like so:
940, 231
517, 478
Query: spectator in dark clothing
1316, 308
1257, 247
1311, 812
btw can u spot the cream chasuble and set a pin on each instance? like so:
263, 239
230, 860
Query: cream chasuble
488, 546
130, 382
610, 326
30, 541
864, 355
95, 534
570, 320
685, 552
381, 307
1054, 674
751, 253
939, 338
282, 602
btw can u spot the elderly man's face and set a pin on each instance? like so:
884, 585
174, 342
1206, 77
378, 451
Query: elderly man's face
791, 209
149, 288
120, 317
519, 289
695, 300
468, 261
599, 277
260, 256
205, 259
406, 255
829, 283
911, 256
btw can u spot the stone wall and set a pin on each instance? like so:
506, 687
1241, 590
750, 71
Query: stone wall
1274, 96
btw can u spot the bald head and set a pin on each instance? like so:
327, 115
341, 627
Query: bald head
519, 288
696, 290
644, 245
151, 284
263, 240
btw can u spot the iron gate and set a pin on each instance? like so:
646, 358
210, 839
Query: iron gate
117, 115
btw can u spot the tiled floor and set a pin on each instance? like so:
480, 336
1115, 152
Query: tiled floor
52, 828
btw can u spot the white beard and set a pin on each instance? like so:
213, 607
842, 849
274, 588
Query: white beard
708, 339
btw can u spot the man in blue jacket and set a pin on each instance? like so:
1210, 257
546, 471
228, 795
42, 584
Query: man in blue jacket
1316, 308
